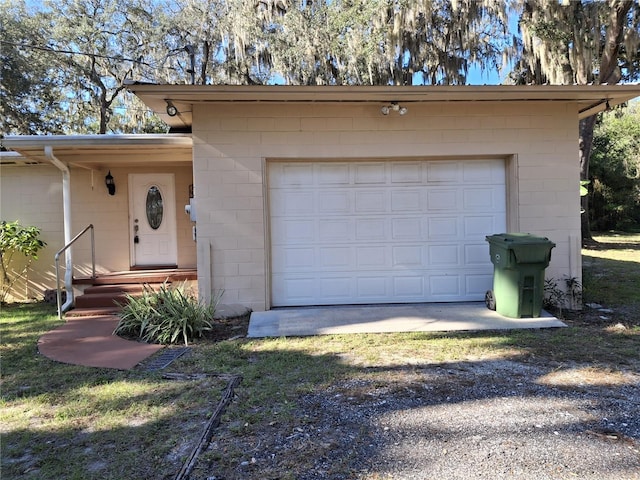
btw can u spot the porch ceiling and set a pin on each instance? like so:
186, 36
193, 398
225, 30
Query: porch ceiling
100, 152
589, 99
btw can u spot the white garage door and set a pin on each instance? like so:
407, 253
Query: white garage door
383, 231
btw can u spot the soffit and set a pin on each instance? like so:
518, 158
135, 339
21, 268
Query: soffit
101, 151
589, 99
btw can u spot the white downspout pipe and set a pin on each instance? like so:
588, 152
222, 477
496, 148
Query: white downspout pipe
66, 212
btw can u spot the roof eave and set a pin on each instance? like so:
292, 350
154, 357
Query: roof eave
14, 142
588, 98
100, 151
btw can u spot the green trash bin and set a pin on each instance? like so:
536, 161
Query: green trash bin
519, 261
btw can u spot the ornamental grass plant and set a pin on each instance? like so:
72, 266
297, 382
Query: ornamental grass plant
168, 315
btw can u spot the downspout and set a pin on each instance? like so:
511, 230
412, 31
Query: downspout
66, 212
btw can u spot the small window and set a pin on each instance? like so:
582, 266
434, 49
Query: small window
155, 209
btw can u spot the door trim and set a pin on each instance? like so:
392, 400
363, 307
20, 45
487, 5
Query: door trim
138, 179
509, 166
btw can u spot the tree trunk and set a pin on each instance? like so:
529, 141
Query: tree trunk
585, 143
609, 73
104, 113
205, 62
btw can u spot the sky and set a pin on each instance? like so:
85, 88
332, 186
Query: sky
478, 77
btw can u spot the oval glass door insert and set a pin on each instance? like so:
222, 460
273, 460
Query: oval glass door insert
155, 208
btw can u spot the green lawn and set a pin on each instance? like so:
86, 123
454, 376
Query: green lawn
612, 271
63, 421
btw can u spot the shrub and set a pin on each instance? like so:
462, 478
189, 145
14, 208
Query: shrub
16, 238
555, 298
168, 315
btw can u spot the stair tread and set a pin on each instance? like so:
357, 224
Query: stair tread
104, 304
92, 311
139, 276
118, 288
105, 294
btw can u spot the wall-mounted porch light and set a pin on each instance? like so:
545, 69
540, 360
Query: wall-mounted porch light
110, 183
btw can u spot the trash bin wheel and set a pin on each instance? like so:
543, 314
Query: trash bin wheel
490, 300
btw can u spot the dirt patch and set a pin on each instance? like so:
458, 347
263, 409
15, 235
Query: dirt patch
228, 328
461, 420
530, 418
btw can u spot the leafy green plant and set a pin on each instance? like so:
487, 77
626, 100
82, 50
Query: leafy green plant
16, 238
168, 315
574, 291
584, 191
556, 298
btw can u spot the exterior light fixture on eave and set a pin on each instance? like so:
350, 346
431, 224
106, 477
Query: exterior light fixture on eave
394, 107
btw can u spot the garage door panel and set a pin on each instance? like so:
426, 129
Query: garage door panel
443, 227
443, 172
294, 259
294, 231
404, 200
371, 201
444, 286
483, 171
372, 288
406, 173
444, 255
479, 225
482, 198
293, 202
408, 287
477, 284
383, 232
334, 202
477, 255
441, 199
369, 173
332, 174
371, 257
410, 256
371, 229
292, 174
335, 231
297, 290
407, 228
336, 258
334, 290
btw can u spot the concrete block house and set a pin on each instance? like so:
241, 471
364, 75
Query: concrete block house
303, 196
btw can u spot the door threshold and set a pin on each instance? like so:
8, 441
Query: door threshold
136, 268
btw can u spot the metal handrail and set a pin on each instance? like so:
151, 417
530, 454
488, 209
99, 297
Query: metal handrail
57, 258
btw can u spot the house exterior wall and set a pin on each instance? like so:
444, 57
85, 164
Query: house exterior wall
32, 194
110, 217
234, 142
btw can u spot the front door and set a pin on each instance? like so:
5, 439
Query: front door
152, 218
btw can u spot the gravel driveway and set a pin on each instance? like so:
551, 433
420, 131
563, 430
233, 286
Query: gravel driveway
468, 420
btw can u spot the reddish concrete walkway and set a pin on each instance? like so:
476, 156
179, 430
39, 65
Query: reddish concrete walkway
89, 341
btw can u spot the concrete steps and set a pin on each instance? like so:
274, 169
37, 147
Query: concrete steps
105, 294
105, 299
109, 299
